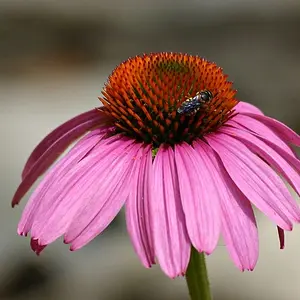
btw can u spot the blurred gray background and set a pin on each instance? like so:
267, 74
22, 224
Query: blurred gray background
55, 57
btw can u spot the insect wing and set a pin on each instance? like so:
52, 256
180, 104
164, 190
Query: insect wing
189, 106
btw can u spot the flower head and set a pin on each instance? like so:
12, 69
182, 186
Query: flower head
143, 96
186, 158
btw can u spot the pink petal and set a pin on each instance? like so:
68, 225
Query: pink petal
259, 183
268, 154
238, 221
242, 107
38, 202
199, 196
238, 225
36, 168
138, 215
171, 242
66, 128
75, 191
283, 131
291, 159
241, 121
103, 202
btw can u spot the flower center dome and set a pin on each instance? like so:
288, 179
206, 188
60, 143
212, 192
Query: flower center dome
167, 98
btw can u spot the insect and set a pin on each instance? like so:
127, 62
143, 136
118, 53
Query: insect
191, 105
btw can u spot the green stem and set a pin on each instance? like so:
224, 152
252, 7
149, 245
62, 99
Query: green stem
197, 278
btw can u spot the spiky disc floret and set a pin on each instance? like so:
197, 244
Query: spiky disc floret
142, 96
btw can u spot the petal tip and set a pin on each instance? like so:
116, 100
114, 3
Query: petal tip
249, 267
22, 233
15, 201
72, 249
36, 246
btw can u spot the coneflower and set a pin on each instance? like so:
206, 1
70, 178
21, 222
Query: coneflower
186, 158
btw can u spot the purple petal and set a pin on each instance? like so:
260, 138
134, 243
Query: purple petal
283, 131
199, 196
75, 191
38, 203
171, 242
241, 121
105, 191
239, 226
291, 159
268, 154
36, 247
259, 183
138, 215
281, 237
37, 167
238, 221
242, 107
66, 128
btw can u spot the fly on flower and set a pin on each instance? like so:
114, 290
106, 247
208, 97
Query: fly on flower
193, 104
183, 181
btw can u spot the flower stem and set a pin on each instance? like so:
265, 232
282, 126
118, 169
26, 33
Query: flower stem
197, 278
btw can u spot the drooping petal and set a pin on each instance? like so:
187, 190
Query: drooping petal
114, 182
37, 167
268, 154
68, 132
38, 203
199, 196
41, 205
239, 227
242, 107
242, 121
281, 237
291, 159
258, 182
238, 221
286, 133
171, 242
138, 214
36, 247
77, 191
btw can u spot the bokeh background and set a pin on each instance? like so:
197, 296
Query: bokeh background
55, 57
